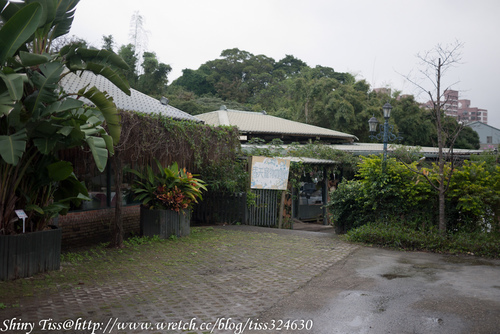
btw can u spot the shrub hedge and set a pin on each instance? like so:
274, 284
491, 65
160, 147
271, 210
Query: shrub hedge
473, 199
399, 236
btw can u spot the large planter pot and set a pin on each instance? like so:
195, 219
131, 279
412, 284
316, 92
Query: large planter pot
23, 255
165, 223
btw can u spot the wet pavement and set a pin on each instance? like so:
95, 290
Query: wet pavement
304, 280
382, 291
248, 271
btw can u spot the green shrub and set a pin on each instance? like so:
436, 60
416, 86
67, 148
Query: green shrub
475, 195
398, 192
472, 202
400, 236
346, 209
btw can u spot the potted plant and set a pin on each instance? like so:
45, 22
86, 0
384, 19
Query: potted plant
38, 120
167, 198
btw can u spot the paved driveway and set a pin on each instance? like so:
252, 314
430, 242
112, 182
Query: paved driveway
242, 276
382, 291
233, 274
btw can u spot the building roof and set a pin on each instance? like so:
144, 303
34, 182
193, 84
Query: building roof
312, 161
477, 124
256, 123
137, 101
376, 148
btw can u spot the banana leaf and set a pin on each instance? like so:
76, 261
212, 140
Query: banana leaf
106, 105
99, 152
15, 84
19, 29
12, 147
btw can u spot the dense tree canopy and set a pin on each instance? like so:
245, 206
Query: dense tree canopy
154, 79
319, 95
286, 88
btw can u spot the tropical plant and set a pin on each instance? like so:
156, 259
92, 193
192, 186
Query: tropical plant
475, 192
397, 192
38, 119
169, 189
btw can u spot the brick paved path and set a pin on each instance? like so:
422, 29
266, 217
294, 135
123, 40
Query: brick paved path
241, 275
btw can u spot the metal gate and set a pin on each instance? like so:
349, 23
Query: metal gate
236, 208
265, 210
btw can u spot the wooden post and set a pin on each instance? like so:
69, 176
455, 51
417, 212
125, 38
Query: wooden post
325, 196
282, 207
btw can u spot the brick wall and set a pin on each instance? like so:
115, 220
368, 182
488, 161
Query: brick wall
86, 228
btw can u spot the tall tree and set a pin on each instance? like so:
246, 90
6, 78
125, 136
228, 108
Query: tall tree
195, 81
154, 79
108, 42
413, 122
128, 54
435, 64
138, 35
290, 66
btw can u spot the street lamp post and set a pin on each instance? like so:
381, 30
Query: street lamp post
385, 133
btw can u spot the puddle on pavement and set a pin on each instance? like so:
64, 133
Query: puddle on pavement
393, 276
437, 321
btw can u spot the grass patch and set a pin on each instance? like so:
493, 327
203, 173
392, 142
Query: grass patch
398, 236
98, 265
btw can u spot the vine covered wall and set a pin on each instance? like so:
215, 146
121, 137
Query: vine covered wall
213, 152
191, 145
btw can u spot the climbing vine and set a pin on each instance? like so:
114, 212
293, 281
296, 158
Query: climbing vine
203, 149
212, 152
346, 162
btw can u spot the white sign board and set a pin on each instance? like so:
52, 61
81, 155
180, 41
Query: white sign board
269, 173
21, 214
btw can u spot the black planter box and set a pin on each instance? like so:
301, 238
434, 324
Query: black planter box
165, 223
23, 255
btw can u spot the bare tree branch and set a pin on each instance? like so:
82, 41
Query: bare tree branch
434, 64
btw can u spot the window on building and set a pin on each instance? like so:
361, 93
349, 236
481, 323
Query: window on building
489, 140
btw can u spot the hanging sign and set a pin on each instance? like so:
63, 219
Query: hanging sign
269, 173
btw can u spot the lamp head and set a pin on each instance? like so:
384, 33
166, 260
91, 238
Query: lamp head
372, 123
387, 108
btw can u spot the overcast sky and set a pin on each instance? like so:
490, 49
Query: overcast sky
376, 40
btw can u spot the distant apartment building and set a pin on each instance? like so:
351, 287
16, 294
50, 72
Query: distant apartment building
461, 109
384, 91
470, 114
451, 102
452, 106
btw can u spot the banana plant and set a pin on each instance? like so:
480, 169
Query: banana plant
37, 117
